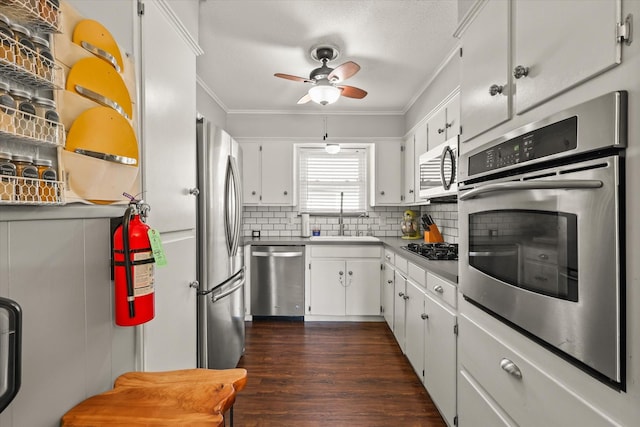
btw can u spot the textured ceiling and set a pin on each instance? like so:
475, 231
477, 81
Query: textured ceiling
398, 43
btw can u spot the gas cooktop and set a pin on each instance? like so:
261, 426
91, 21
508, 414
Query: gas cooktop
434, 251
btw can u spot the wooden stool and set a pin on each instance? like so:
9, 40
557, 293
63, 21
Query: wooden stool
190, 397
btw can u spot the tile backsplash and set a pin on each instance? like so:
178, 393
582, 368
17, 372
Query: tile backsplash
284, 221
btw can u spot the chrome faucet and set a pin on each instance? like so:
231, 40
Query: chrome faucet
340, 218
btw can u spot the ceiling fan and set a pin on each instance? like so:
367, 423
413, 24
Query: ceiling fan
326, 81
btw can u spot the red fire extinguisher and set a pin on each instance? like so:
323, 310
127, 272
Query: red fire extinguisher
133, 268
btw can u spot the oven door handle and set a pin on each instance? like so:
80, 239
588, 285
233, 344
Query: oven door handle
492, 253
568, 184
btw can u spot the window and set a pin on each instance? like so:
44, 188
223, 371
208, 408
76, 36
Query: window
324, 176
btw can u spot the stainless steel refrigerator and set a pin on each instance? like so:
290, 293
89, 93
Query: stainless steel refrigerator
221, 272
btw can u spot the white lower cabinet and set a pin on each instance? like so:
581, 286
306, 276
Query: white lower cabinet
425, 327
475, 408
388, 281
344, 281
440, 351
400, 287
500, 386
415, 327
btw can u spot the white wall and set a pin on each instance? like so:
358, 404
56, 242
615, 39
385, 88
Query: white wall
116, 15
445, 82
207, 106
312, 126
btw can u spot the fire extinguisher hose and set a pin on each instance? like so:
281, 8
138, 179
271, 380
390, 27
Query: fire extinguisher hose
127, 260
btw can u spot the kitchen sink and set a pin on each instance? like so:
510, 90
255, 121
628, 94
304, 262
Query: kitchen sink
346, 238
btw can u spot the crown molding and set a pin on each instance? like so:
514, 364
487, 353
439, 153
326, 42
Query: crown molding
211, 93
166, 9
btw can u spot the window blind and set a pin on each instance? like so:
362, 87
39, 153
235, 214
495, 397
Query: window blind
324, 176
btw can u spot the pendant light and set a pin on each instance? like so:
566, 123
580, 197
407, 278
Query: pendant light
331, 148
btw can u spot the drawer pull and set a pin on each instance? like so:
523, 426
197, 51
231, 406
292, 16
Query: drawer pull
439, 289
511, 368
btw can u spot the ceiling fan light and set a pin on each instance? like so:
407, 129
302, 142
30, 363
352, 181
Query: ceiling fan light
324, 94
332, 148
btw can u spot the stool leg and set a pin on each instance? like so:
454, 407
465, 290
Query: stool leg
231, 416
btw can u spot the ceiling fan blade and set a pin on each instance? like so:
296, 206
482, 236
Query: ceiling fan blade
344, 71
304, 99
294, 78
352, 92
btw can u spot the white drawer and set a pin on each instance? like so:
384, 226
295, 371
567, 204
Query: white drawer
442, 289
345, 251
417, 274
402, 264
389, 256
534, 398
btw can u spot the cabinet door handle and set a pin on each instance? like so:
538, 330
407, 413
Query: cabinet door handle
439, 289
424, 316
495, 90
520, 71
195, 284
388, 257
405, 297
341, 273
285, 193
389, 281
253, 193
194, 191
350, 273
440, 130
401, 294
382, 193
410, 191
511, 368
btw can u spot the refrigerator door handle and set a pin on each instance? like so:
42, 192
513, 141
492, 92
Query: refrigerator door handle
228, 219
224, 282
240, 284
235, 174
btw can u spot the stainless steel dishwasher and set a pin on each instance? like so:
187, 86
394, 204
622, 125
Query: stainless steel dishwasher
277, 281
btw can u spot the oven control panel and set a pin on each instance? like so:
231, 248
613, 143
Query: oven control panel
546, 141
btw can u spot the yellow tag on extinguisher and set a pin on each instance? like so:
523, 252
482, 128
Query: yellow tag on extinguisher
156, 247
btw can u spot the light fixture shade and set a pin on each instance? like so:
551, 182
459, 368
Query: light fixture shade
324, 94
332, 148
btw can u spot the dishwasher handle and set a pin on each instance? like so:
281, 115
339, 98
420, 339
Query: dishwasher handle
277, 254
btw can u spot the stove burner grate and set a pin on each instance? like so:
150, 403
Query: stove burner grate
435, 251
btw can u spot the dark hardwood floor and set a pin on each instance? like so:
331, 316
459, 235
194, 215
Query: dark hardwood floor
329, 374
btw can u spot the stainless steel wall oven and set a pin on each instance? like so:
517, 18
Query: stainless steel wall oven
542, 233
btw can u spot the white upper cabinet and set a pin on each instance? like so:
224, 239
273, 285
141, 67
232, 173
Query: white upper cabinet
551, 48
561, 44
169, 102
267, 173
387, 185
409, 164
420, 146
445, 123
251, 175
485, 78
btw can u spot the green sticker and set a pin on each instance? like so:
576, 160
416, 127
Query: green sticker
156, 247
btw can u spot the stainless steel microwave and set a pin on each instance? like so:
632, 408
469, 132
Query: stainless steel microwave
438, 173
